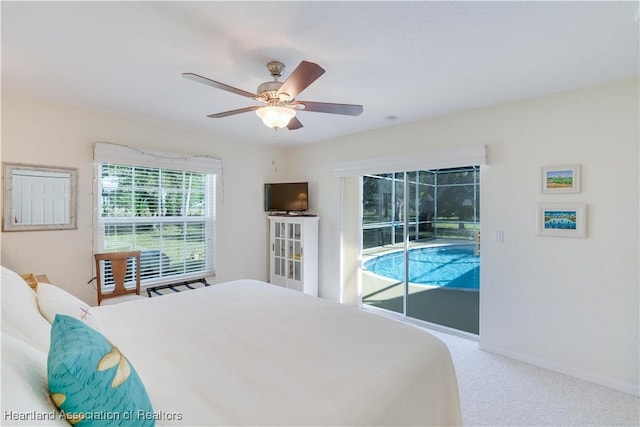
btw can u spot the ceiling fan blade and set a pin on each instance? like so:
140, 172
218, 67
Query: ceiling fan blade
233, 112
304, 74
327, 107
294, 124
218, 85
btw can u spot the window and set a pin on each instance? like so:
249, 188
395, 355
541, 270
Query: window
168, 213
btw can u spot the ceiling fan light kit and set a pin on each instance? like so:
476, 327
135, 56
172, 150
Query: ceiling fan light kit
281, 107
276, 117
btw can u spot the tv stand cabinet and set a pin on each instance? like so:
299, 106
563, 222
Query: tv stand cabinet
293, 260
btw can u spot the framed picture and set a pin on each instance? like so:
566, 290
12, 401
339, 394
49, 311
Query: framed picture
561, 179
561, 219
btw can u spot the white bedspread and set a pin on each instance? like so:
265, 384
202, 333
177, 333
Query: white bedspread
249, 353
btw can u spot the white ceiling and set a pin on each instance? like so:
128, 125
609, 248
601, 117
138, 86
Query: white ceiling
412, 60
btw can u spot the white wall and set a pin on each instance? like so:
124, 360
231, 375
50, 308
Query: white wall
571, 305
37, 132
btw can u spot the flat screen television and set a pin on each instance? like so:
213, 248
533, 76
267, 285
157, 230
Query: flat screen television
286, 197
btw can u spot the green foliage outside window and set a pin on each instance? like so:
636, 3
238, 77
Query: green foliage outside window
164, 213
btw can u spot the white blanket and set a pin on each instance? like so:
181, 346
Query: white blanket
250, 353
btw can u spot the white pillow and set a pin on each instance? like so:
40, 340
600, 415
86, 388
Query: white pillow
25, 394
20, 315
53, 300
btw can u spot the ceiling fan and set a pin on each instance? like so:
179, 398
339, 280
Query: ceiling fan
281, 106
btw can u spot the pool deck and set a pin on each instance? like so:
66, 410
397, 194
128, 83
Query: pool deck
458, 309
367, 254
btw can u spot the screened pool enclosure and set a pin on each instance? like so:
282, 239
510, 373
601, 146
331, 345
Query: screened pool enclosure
420, 240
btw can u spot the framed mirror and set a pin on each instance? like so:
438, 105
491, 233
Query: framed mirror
39, 197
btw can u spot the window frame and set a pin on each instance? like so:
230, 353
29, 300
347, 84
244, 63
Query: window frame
107, 153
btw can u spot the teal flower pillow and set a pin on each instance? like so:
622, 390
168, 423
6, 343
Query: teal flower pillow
91, 382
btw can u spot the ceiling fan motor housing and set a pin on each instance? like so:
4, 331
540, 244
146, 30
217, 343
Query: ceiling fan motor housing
269, 90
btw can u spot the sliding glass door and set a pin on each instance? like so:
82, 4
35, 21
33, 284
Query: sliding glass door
420, 254
382, 230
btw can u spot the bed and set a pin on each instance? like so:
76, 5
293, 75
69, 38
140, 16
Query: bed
237, 353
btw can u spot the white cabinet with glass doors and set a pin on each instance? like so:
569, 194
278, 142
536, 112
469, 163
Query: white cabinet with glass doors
294, 253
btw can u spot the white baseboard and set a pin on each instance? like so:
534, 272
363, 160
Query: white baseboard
625, 387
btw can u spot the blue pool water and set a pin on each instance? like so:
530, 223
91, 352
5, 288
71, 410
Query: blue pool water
449, 266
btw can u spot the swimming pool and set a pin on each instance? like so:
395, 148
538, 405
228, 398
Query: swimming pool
449, 266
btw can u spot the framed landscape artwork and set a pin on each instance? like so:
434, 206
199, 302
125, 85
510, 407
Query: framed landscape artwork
561, 179
561, 219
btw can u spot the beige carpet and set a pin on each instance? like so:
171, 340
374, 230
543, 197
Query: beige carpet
498, 391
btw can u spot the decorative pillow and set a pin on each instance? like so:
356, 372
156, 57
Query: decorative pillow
53, 300
91, 381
